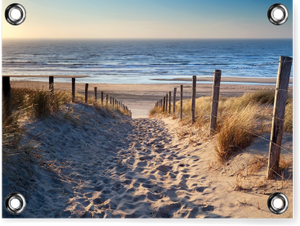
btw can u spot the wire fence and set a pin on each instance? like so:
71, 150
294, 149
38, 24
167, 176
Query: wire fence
278, 121
106, 101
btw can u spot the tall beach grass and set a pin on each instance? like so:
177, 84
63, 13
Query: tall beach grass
239, 120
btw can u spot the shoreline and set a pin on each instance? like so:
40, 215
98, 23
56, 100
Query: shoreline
141, 98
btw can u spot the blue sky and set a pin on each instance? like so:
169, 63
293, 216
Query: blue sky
147, 19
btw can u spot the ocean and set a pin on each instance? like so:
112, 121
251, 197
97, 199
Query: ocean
143, 61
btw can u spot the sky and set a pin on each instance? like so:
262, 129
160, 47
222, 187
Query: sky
147, 19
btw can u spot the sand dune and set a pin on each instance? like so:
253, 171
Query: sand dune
90, 164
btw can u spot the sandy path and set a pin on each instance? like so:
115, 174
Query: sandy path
94, 165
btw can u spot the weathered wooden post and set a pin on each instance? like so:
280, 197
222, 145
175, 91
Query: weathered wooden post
193, 98
170, 101
174, 100
215, 101
102, 99
6, 88
51, 88
86, 92
161, 102
113, 102
282, 85
181, 100
167, 98
106, 100
110, 100
73, 90
96, 97
164, 104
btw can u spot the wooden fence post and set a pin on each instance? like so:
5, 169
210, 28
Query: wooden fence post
181, 100
106, 100
174, 100
6, 92
167, 98
96, 97
102, 99
110, 100
161, 102
170, 101
193, 98
73, 90
215, 101
282, 85
164, 104
51, 87
86, 92
113, 102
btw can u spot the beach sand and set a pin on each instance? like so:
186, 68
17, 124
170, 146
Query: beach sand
84, 163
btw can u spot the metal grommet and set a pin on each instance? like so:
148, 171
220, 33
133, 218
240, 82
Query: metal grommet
278, 203
15, 14
15, 203
278, 14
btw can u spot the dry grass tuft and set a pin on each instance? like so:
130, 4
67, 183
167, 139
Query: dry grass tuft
259, 97
37, 103
154, 111
256, 163
288, 118
236, 132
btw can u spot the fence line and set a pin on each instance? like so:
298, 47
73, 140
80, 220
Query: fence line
283, 76
6, 87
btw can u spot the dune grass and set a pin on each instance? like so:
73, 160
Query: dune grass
239, 119
236, 132
38, 103
288, 118
35, 103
